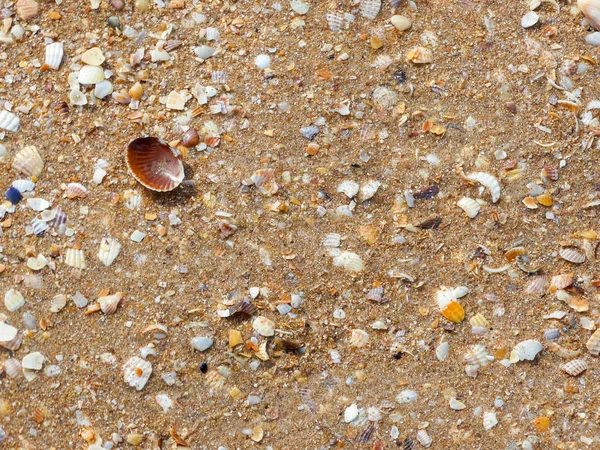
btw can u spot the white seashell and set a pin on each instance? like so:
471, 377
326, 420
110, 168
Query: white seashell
23, 185
591, 11
136, 372
335, 20
264, 327
529, 19
54, 55
110, 303
13, 300
284, 308
526, 350
359, 338
263, 61
373, 414
370, 8
74, 190
488, 181
469, 206
38, 204
33, 361
79, 300
442, 350
350, 413
164, 401
384, 98
9, 121
28, 161
89, 75
14, 343
262, 352
593, 343
299, 6
489, 420
39, 227
75, 258
424, 438
575, 367
7, 332
77, 98
571, 254
349, 261
212, 34
204, 51
407, 396
103, 89
93, 57
33, 281
477, 355
457, 405
368, 190
383, 62
99, 175
133, 199
332, 240
201, 343
401, 23
348, 187
109, 250
27, 9
335, 356
59, 301
38, 262
460, 292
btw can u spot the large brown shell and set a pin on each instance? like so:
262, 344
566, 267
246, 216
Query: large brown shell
155, 164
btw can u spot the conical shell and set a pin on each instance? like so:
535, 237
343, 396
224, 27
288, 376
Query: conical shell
109, 250
28, 161
54, 55
575, 367
27, 9
264, 180
75, 258
75, 190
469, 206
90, 75
591, 11
572, 254
264, 327
110, 303
154, 164
9, 121
593, 343
136, 372
12, 367
454, 312
13, 300
370, 8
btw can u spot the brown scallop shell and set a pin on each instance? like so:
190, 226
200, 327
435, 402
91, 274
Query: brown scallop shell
155, 164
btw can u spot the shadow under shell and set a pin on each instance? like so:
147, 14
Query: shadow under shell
155, 164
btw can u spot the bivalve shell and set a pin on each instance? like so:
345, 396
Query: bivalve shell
9, 121
488, 181
424, 439
28, 161
136, 372
75, 258
27, 9
264, 180
349, 261
335, 20
23, 185
14, 343
38, 204
12, 367
13, 300
575, 367
454, 312
109, 250
89, 75
75, 190
572, 254
33, 361
54, 55
591, 11
110, 303
264, 326
155, 164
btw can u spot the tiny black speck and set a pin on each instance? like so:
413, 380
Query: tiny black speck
398, 355
399, 75
203, 367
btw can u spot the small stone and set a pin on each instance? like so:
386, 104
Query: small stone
117, 4
401, 23
201, 343
137, 236
529, 19
114, 22
135, 439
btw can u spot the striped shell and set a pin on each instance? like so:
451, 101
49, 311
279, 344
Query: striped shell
552, 334
13, 300
549, 173
264, 180
335, 20
561, 281
488, 181
537, 285
133, 199
109, 250
28, 161
110, 303
155, 164
59, 301
349, 261
74, 190
384, 98
572, 254
454, 312
9, 121
479, 320
27, 9
215, 380
244, 306
469, 206
575, 367
264, 327
12, 367
23, 185
75, 258
370, 8
89, 75
593, 343
477, 355
54, 55
424, 438
38, 227
375, 294
59, 220
136, 372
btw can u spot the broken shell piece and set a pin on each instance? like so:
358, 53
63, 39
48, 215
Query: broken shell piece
109, 250
572, 254
332, 240
7, 332
593, 343
457, 405
38, 204
14, 343
93, 57
77, 98
407, 396
136, 372
257, 434
33, 361
370, 8
28, 161
419, 55
424, 439
9, 121
477, 355
469, 206
244, 306
155, 164
12, 367
74, 190
591, 11
201, 343
384, 98
359, 338
13, 300
351, 413
348, 187
54, 55
75, 258
563, 352
489, 420
488, 181
110, 303
526, 350
349, 261
442, 350
368, 190
58, 302
264, 327
262, 352
27, 9
264, 180
575, 367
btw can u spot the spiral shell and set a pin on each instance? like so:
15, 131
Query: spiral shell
109, 250
13, 300
27, 9
54, 55
469, 206
593, 343
75, 258
155, 164
575, 367
9, 121
28, 161
264, 180
136, 372
488, 181
110, 303
370, 8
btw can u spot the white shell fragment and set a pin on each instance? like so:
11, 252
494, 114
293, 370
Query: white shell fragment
349, 261
370, 8
201, 343
109, 250
89, 75
424, 439
13, 300
407, 396
529, 19
489, 420
9, 121
93, 57
351, 413
33, 361
368, 190
488, 181
526, 350
348, 187
136, 372
75, 258
264, 327
457, 405
469, 206
54, 55
7, 332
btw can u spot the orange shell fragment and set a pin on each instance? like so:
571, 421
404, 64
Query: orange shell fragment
454, 312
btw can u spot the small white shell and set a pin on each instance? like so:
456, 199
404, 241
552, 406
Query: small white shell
264, 180
335, 20
384, 98
299, 6
442, 350
407, 396
38, 204
110, 303
59, 301
368, 190
23, 185
349, 261
54, 55
348, 187
359, 338
103, 89
109, 250
90, 75
351, 413
13, 300
75, 190
469, 206
75, 258
9, 121
572, 255
133, 199
477, 355
593, 343
264, 327
7, 332
201, 343
457, 405
93, 57
332, 240
33, 361
575, 367
488, 181
489, 420
77, 98
370, 8
526, 350
529, 19
136, 372
28, 161
424, 438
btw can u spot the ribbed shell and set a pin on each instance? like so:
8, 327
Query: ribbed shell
12, 367
155, 164
335, 20
562, 352
454, 312
537, 285
424, 438
264, 180
593, 343
572, 254
384, 98
109, 250
28, 161
27, 9
215, 380
477, 355
407, 396
23, 185
110, 303
552, 334
349, 261
75, 190
488, 181
54, 55
370, 8
375, 294
9, 121
469, 206
575, 367
38, 227
75, 258
262, 352
13, 300
136, 372
478, 320
561, 281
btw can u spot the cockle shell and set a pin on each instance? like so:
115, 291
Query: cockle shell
12, 367
370, 8
23, 185
359, 338
110, 303
469, 206
89, 75
28, 161
488, 181
93, 57
477, 355
155, 164
572, 254
561, 281
75, 258
591, 11
13, 300
75, 190
9, 121
479, 320
384, 98
136, 372
264, 180
38, 227
593, 343
335, 20
54, 55
27, 9
38, 204
349, 261
575, 367
264, 327
109, 250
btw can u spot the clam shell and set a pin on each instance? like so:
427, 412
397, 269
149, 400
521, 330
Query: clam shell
9, 121
28, 161
454, 312
136, 372
477, 355
575, 367
78, 98
75, 190
75, 258
109, 250
14, 343
110, 303
591, 11
407, 396
537, 285
103, 89
335, 20
384, 98
489, 420
27, 9
469, 206
7, 332
89, 75
359, 338
38, 204
13, 300
349, 261
154, 164
478, 320
201, 343
488, 181
561, 281
33, 361
264, 180
54, 55
23, 185
593, 343
370, 8
12, 367
93, 57
572, 254
244, 306
424, 438
264, 327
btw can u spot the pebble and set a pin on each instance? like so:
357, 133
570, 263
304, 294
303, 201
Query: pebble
529, 19
263, 61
